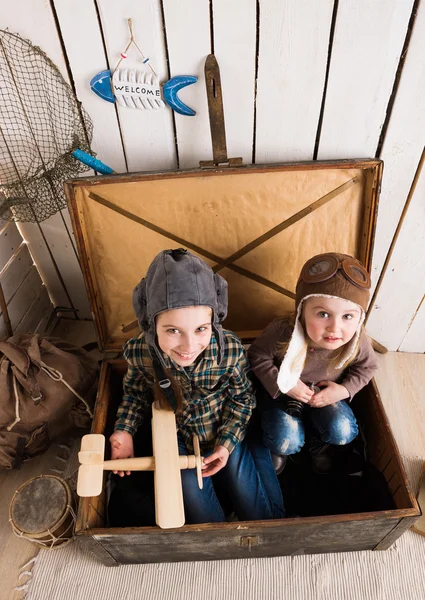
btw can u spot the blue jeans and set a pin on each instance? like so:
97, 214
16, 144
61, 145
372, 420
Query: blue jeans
248, 478
285, 434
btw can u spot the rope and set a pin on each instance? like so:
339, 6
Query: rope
57, 376
17, 417
133, 41
54, 539
28, 574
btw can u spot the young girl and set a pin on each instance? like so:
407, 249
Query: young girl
180, 305
312, 365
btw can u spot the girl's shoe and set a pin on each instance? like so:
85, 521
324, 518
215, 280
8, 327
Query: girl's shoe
321, 456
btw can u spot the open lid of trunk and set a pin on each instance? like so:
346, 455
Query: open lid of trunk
254, 224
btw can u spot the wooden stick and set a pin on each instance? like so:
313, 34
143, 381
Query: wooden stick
379, 347
144, 463
5, 312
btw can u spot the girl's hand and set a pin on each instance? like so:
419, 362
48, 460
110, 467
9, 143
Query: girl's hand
301, 392
121, 447
332, 392
215, 461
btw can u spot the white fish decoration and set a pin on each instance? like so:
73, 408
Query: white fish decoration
137, 89
141, 89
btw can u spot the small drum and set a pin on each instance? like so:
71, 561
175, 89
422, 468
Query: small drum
42, 511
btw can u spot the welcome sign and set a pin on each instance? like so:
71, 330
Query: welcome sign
137, 89
142, 91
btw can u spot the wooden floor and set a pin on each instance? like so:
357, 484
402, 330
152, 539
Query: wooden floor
401, 382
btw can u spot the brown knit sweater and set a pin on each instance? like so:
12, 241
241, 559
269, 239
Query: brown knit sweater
265, 358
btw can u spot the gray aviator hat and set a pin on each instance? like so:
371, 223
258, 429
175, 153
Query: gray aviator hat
175, 279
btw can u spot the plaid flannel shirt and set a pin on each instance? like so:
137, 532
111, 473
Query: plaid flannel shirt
219, 399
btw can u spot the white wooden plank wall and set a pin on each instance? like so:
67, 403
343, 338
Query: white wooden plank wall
187, 27
87, 58
147, 135
50, 243
10, 240
401, 151
235, 49
366, 49
28, 304
20, 264
414, 339
293, 52
402, 290
302, 80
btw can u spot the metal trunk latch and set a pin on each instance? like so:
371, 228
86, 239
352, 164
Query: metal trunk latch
249, 540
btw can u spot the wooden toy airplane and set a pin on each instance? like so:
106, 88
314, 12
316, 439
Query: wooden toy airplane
165, 462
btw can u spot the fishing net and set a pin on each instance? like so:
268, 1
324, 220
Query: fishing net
41, 124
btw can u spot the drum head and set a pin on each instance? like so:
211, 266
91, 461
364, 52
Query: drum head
39, 504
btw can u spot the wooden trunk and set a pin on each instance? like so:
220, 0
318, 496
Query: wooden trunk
256, 225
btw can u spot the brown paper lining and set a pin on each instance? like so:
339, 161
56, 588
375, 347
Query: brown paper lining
219, 214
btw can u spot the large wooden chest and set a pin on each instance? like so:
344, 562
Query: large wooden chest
256, 225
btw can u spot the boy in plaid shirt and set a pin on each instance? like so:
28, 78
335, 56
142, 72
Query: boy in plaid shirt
180, 305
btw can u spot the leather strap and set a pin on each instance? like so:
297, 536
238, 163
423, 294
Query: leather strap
164, 382
215, 109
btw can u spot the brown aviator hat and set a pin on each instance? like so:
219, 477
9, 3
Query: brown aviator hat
334, 274
330, 275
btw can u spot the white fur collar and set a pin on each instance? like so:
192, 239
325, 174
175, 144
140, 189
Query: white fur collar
294, 359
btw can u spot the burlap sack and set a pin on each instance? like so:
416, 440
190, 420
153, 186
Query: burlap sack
46, 386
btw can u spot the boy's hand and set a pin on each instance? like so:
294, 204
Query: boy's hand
332, 392
121, 447
301, 392
215, 461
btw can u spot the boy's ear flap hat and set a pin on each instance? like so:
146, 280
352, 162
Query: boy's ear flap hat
176, 279
331, 275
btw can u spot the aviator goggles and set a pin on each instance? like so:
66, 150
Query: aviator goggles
323, 267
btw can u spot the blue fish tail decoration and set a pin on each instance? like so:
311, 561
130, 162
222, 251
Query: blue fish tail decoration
171, 89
